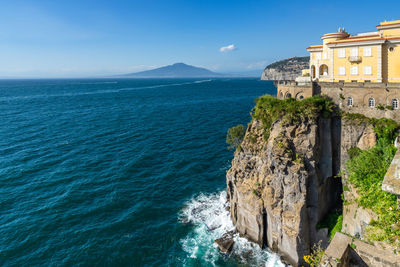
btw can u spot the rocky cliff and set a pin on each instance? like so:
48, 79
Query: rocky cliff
283, 177
287, 69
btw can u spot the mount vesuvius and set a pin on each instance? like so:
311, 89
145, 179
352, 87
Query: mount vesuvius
177, 70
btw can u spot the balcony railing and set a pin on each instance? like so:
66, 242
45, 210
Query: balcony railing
355, 59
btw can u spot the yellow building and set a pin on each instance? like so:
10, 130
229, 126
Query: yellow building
366, 57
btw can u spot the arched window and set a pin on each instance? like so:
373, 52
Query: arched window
395, 103
323, 70
301, 97
313, 72
288, 95
350, 101
371, 102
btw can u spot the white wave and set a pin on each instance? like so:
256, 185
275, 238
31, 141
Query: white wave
210, 218
99, 91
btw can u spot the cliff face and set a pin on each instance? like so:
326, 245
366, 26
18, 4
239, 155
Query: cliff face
280, 188
287, 69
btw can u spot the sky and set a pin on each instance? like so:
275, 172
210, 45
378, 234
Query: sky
88, 38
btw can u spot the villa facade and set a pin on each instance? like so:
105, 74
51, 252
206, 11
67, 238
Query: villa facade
361, 72
365, 57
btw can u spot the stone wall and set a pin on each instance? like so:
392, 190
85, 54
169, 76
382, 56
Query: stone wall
382, 93
288, 89
347, 251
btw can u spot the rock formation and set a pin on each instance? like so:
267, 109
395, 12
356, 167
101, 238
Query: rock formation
287, 69
281, 184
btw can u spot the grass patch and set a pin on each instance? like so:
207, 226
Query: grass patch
333, 222
269, 109
367, 169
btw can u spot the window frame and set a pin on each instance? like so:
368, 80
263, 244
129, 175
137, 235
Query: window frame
349, 101
341, 68
371, 102
368, 72
354, 50
354, 68
395, 100
369, 49
342, 53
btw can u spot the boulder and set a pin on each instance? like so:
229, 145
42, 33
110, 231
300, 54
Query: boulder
225, 242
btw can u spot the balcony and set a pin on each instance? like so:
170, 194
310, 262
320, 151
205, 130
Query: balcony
355, 59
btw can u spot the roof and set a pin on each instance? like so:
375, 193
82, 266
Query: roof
358, 39
387, 23
315, 47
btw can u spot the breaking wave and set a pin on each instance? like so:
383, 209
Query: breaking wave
209, 215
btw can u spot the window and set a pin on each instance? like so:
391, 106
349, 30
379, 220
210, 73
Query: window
342, 53
318, 56
367, 70
288, 95
354, 70
342, 71
395, 104
354, 52
371, 102
323, 70
350, 101
367, 52
301, 97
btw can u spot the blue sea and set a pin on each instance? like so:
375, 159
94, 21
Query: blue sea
120, 172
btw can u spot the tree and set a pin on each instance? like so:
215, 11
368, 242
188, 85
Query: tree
235, 136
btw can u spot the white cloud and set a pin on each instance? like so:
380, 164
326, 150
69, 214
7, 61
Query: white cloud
227, 48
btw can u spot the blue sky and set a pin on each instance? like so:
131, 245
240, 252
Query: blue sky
88, 38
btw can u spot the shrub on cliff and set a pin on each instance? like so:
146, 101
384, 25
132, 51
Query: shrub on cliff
268, 109
366, 172
235, 136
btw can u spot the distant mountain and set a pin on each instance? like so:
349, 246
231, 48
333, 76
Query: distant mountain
177, 70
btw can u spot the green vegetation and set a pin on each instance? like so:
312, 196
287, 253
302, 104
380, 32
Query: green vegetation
235, 136
269, 109
314, 259
333, 222
380, 107
367, 169
389, 107
257, 193
282, 64
354, 152
384, 128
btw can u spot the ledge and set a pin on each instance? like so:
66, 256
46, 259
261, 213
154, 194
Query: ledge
391, 183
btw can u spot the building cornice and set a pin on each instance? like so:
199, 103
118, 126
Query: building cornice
339, 35
315, 48
357, 42
388, 26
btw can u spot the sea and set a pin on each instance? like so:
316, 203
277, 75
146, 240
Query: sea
121, 172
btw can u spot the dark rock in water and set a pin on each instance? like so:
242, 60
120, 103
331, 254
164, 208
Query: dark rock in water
225, 243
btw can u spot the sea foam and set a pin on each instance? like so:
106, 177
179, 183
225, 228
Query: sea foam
210, 219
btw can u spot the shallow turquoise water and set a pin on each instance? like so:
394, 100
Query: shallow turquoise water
119, 172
